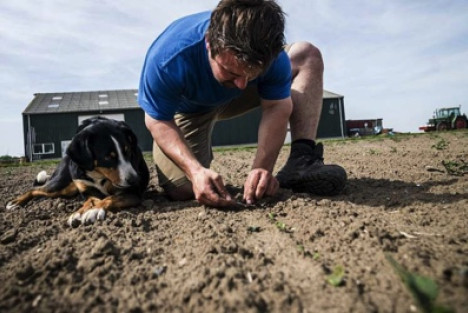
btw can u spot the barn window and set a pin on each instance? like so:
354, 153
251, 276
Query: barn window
44, 148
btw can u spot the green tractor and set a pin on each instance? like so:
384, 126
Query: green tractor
446, 118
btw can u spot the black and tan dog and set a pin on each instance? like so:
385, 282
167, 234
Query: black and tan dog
103, 162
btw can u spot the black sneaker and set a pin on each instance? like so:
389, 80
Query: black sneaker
305, 172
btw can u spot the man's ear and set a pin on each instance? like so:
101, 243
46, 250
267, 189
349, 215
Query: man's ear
78, 150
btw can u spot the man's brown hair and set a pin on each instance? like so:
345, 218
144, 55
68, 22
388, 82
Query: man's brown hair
252, 29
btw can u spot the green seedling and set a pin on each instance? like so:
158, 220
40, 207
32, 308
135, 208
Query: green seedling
253, 229
423, 289
393, 150
336, 278
440, 145
456, 168
272, 216
301, 249
281, 226
373, 152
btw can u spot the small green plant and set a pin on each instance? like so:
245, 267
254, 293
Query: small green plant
253, 229
280, 225
336, 278
424, 290
301, 249
316, 256
442, 144
393, 150
272, 216
456, 168
373, 152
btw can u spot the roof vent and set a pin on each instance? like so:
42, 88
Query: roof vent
53, 105
57, 98
103, 96
103, 102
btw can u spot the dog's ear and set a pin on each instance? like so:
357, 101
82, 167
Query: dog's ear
78, 150
129, 134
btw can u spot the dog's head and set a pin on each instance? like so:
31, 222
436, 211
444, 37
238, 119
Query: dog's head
109, 148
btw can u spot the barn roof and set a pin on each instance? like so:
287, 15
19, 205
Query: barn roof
331, 95
105, 100
61, 102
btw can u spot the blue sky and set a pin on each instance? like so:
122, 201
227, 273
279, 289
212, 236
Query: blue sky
397, 60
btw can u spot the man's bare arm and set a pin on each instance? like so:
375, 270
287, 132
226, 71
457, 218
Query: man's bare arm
271, 135
207, 185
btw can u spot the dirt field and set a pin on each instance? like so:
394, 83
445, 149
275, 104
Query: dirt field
276, 257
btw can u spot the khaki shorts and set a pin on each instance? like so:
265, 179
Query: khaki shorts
197, 129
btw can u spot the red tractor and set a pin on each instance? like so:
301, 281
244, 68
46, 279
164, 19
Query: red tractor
446, 118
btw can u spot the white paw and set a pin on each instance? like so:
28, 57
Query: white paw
42, 177
74, 220
11, 206
93, 215
86, 218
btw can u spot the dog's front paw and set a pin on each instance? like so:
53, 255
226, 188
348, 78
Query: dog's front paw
12, 205
88, 217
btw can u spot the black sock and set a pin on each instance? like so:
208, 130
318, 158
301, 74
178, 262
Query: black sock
308, 142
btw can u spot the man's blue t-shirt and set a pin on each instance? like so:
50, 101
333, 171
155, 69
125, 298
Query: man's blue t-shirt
177, 76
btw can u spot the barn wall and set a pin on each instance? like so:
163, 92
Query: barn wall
332, 119
239, 130
58, 127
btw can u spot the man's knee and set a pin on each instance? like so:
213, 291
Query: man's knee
181, 193
303, 55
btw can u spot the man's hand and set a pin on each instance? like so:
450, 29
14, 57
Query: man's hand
209, 189
259, 183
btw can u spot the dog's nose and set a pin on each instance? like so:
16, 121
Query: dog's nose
132, 180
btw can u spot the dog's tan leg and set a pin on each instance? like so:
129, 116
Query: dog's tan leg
95, 209
69, 191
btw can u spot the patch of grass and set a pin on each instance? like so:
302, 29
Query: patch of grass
442, 144
393, 150
423, 289
373, 152
235, 148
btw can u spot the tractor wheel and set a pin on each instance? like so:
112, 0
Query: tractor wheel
460, 122
442, 126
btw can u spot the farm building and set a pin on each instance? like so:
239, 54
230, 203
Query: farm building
364, 127
51, 119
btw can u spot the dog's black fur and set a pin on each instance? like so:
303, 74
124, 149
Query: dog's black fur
103, 162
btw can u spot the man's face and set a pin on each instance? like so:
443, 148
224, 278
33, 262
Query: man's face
229, 72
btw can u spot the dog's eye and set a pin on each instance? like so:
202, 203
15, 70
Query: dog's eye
111, 155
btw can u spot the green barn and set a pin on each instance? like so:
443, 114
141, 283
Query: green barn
51, 119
